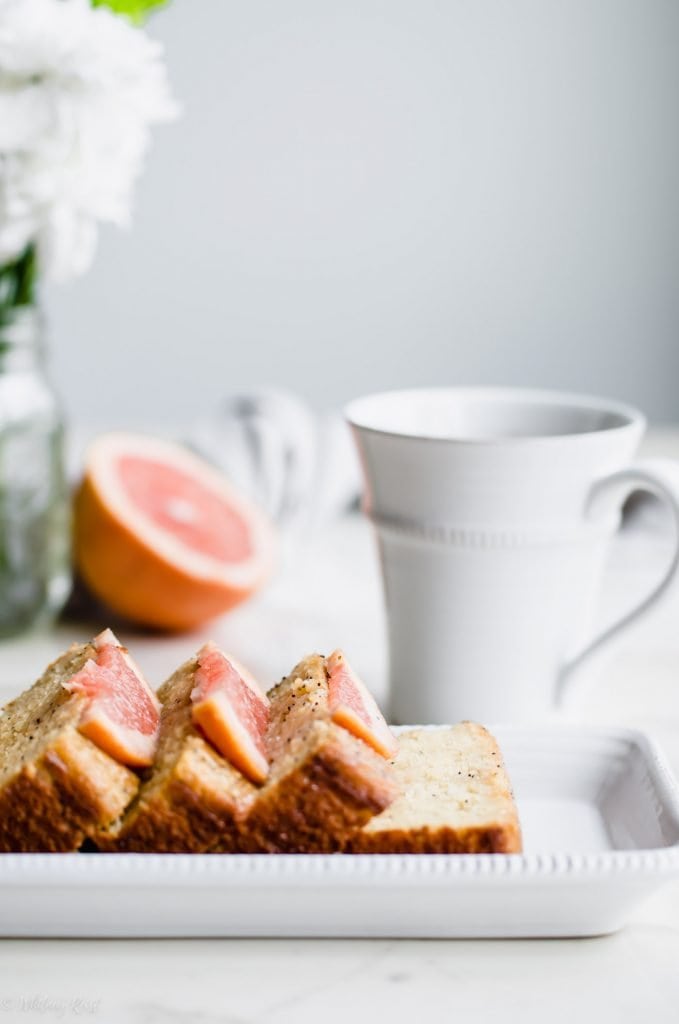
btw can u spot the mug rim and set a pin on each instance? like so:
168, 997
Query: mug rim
630, 417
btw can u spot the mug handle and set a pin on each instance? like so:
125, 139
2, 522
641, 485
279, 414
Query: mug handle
657, 476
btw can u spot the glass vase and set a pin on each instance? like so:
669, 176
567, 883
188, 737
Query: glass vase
34, 500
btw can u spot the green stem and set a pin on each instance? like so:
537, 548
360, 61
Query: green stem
17, 283
136, 11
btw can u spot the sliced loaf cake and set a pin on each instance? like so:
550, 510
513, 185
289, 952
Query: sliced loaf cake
324, 782
320, 784
455, 797
57, 786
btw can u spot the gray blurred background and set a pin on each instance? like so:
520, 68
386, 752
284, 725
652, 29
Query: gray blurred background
368, 194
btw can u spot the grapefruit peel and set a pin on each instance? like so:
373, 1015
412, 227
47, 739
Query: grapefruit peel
352, 706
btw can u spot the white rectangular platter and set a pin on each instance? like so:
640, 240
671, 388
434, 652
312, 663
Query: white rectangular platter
600, 816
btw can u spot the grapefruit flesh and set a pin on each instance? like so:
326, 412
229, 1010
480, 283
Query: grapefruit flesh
122, 713
162, 538
232, 711
353, 707
183, 506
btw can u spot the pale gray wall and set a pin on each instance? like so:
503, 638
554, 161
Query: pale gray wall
364, 194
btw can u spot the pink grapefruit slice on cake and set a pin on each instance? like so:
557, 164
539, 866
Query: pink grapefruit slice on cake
162, 538
122, 713
232, 711
353, 707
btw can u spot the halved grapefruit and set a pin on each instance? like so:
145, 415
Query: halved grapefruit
232, 711
162, 538
353, 706
122, 715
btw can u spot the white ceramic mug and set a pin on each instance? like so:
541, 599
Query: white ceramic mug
494, 509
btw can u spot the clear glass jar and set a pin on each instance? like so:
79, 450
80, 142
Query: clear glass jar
34, 500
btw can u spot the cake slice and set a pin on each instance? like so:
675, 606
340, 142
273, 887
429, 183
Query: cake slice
324, 782
57, 785
455, 797
193, 797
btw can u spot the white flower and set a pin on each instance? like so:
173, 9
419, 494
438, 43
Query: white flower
80, 88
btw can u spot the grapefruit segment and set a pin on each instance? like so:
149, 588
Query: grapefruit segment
353, 707
122, 713
232, 711
162, 538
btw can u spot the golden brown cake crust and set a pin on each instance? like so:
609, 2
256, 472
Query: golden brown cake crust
334, 789
35, 817
56, 786
491, 839
184, 814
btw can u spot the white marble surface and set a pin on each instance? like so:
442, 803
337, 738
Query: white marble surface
329, 595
